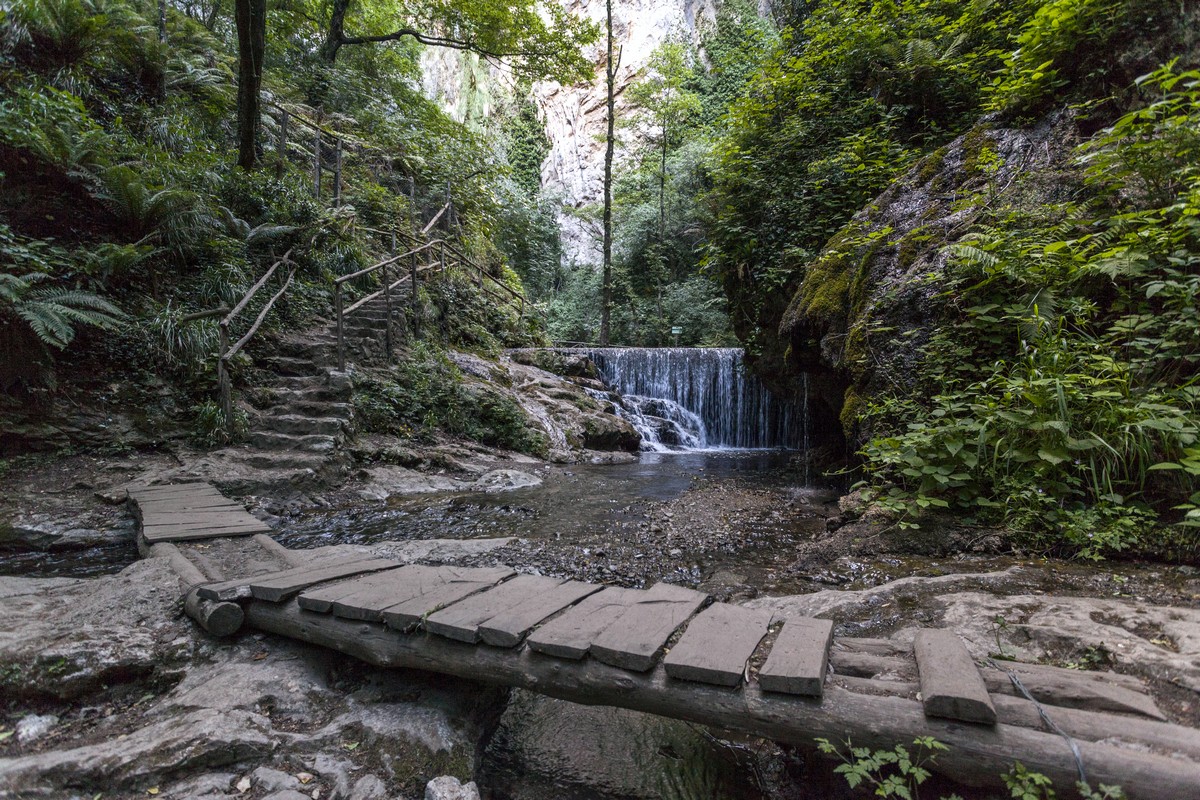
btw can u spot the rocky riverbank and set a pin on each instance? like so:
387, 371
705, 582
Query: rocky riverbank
109, 689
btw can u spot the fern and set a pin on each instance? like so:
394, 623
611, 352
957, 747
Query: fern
53, 313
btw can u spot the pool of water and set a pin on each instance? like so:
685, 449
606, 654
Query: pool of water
572, 502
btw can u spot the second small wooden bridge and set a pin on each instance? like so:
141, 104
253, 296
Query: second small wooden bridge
668, 650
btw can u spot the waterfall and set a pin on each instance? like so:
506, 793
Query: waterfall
698, 398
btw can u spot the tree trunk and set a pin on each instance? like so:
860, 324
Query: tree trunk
606, 278
251, 18
337, 30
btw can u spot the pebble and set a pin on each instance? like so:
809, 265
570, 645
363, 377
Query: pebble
34, 727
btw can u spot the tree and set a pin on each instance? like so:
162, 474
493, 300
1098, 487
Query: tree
610, 72
251, 18
543, 39
667, 106
538, 37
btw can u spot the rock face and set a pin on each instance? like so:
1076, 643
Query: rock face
871, 299
575, 422
575, 116
145, 701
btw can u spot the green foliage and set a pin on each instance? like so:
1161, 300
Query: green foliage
1065, 401
889, 773
210, 428
1026, 785
1065, 49
425, 394
853, 94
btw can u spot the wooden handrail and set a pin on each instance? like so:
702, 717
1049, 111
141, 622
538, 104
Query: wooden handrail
233, 351
254, 289
435, 219
387, 261
212, 312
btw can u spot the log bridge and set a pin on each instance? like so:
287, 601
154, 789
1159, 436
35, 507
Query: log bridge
669, 650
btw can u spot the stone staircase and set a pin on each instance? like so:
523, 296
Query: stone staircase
303, 402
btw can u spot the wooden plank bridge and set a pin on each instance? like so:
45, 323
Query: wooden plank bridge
668, 650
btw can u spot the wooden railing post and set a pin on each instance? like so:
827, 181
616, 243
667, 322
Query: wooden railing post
341, 348
281, 145
317, 164
224, 380
337, 174
387, 303
416, 325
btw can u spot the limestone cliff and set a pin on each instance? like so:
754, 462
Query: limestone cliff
573, 172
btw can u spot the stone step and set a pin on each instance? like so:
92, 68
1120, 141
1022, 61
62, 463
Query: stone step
303, 425
313, 348
296, 460
274, 440
291, 366
311, 407
322, 395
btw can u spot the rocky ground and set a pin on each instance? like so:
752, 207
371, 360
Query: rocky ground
109, 691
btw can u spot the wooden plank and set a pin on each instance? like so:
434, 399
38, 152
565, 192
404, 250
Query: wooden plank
951, 686
190, 534
218, 518
717, 644
462, 619
188, 504
640, 632
507, 629
438, 594
365, 597
799, 658
159, 531
353, 591
174, 492
281, 585
572, 634
241, 588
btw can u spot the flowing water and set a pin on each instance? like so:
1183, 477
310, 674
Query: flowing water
688, 398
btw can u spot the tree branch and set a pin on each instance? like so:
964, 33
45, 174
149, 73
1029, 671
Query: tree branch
437, 41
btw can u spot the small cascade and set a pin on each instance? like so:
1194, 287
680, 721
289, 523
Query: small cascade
684, 398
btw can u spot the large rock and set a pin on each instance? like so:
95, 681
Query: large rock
282, 718
883, 269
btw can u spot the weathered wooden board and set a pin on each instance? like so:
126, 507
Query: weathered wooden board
365, 598
951, 686
189, 511
634, 639
571, 635
192, 534
799, 658
215, 518
439, 592
185, 504
717, 644
508, 628
355, 594
281, 584
173, 491
461, 620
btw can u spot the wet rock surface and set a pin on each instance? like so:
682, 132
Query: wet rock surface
144, 701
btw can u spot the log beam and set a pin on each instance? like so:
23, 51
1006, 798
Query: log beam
978, 755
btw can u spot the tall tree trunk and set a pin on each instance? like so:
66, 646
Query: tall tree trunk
337, 30
251, 17
606, 277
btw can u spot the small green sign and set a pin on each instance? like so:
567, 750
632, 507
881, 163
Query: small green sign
675, 331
